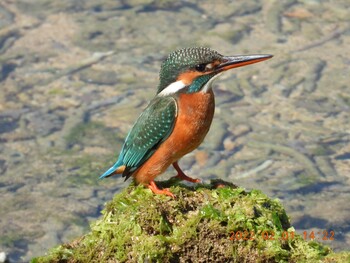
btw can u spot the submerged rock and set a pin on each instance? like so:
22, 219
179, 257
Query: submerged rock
210, 223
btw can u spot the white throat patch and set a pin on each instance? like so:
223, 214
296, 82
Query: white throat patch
172, 88
207, 87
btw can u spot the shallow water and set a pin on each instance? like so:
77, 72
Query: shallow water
76, 74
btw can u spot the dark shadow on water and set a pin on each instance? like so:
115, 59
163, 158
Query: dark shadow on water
170, 6
6, 70
98, 211
16, 255
344, 156
307, 222
313, 188
3, 167
7, 124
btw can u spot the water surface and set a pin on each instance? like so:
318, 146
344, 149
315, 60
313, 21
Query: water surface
76, 74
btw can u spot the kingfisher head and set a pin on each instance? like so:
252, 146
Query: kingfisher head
192, 70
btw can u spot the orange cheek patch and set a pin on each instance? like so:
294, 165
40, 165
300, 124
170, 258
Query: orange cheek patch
188, 76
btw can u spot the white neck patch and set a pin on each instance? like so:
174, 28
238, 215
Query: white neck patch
172, 88
207, 87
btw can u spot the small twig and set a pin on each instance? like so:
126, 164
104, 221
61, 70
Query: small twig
256, 170
334, 35
308, 164
95, 58
97, 106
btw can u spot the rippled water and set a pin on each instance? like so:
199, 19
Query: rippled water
76, 74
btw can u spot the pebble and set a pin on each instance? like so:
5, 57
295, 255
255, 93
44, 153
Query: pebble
201, 158
3, 257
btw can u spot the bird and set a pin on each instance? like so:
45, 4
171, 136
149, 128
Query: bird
178, 118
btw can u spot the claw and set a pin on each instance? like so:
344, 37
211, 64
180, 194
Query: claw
154, 188
182, 176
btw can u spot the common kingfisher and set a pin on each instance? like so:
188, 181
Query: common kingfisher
178, 118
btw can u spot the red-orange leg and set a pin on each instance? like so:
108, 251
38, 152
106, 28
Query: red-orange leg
181, 175
154, 188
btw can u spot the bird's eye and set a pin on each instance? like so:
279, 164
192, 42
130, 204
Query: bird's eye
201, 67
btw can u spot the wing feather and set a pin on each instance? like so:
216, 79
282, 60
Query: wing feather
153, 126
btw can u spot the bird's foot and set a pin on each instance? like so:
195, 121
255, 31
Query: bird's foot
182, 176
154, 188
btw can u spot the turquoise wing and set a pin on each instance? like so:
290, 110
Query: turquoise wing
153, 126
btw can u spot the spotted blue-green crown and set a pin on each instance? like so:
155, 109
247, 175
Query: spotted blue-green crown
182, 60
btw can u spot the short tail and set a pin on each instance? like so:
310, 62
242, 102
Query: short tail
117, 168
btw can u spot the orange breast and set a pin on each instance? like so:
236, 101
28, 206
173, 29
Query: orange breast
195, 114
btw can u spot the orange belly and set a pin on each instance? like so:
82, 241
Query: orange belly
195, 114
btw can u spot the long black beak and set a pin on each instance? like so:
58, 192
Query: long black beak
240, 61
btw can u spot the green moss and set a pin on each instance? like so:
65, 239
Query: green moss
344, 98
204, 224
85, 169
57, 91
90, 133
10, 239
339, 257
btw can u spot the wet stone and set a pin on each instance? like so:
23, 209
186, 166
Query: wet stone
7, 124
107, 77
43, 124
6, 69
236, 8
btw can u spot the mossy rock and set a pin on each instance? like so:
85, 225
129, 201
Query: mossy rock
209, 223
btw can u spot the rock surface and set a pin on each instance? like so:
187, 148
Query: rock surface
209, 223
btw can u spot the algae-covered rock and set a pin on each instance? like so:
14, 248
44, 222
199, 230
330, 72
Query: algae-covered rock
210, 223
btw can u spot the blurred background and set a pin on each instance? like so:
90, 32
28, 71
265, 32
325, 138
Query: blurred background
75, 75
